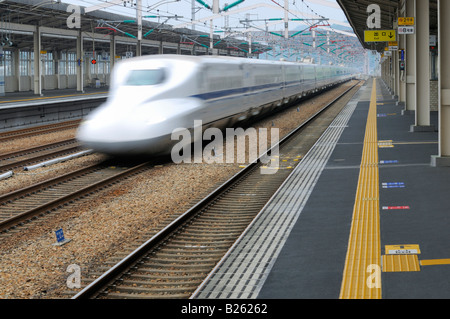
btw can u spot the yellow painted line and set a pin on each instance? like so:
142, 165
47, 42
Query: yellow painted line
364, 247
51, 97
433, 262
400, 263
415, 143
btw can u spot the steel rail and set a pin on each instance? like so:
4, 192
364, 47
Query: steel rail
30, 158
94, 288
36, 130
63, 200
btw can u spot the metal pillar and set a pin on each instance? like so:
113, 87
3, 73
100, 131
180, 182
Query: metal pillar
443, 159
410, 62
401, 47
16, 64
402, 76
391, 73
286, 19
139, 24
422, 44
193, 13
37, 61
396, 69
112, 52
80, 63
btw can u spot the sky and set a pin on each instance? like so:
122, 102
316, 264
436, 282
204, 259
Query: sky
257, 10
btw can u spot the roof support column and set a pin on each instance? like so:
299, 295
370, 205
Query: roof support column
443, 159
386, 71
391, 74
37, 61
16, 64
422, 44
410, 62
396, 69
139, 25
80, 62
402, 84
402, 46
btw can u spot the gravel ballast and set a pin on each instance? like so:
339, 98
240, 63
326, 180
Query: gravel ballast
105, 223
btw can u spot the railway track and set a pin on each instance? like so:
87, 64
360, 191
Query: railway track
176, 260
24, 205
36, 130
33, 155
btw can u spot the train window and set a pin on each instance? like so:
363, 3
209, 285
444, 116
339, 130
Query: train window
145, 77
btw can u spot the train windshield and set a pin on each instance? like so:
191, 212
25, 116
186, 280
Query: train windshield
145, 77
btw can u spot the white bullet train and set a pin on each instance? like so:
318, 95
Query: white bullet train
151, 96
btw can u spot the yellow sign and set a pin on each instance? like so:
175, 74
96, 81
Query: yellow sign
380, 35
406, 21
402, 249
393, 43
43, 52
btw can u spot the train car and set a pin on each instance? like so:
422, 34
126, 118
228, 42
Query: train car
152, 96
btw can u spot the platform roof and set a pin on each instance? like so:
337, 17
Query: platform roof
53, 14
356, 13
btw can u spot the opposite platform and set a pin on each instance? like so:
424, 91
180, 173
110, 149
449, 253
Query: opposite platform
28, 98
367, 218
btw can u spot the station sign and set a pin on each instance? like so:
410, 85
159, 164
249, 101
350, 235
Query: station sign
406, 21
406, 30
393, 45
43, 54
402, 249
380, 35
433, 40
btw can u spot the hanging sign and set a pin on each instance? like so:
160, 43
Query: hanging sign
393, 45
380, 35
406, 21
406, 30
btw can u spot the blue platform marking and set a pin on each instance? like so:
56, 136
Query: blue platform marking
389, 162
394, 185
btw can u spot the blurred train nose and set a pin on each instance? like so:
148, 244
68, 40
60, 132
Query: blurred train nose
120, 138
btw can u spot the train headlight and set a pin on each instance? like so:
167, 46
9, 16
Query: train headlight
155, 119
85, 122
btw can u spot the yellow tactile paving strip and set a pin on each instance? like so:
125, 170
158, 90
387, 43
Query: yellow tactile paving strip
400, 263
434, 262
364, 247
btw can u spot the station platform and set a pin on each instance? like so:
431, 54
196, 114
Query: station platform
363, 216
25, 109
28, 98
